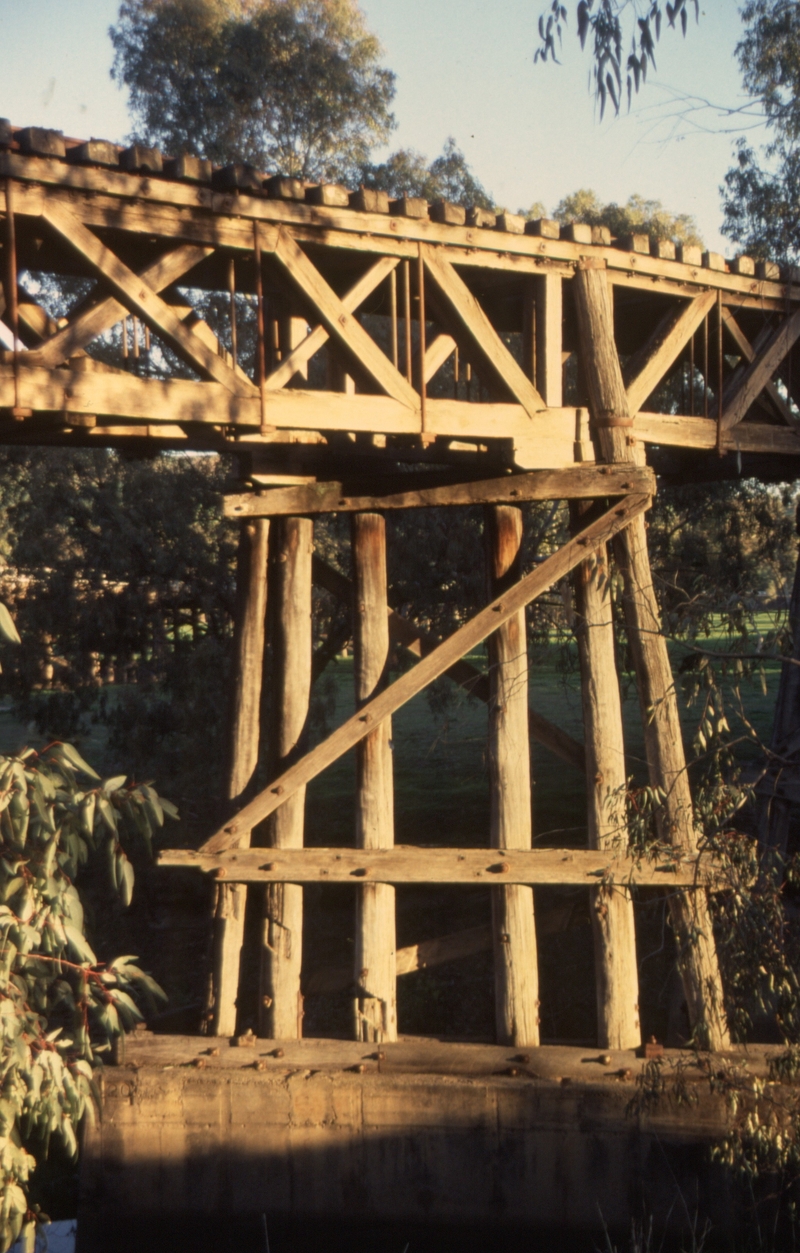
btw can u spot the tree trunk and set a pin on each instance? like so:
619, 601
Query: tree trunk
281, 1001
375, 956
514, 932
612, 425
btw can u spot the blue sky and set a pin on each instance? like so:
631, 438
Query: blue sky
464, 68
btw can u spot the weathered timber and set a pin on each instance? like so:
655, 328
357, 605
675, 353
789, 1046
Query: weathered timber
281, 1002
578, 867
430, 667
375, 976
549, 317
245, 724
445, 948
645, 371
616, 969
749, 353
573, 482
436, 353
476, 682
140, 299
760, 370
86, 324
774, 792
547, 443
473, 324
516, 973
318, 337
341, 324
656, 688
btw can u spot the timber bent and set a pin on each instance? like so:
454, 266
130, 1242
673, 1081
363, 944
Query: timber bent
363, 354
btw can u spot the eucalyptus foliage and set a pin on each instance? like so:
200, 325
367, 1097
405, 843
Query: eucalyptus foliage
289, 85
60, 1008
611, 26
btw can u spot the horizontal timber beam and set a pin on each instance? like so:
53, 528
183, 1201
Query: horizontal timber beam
414, 864
573, 482
547, 442
429, 668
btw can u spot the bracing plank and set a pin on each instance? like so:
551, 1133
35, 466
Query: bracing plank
415, 864
405, 632
139, 298
430, 667
749, 353
319, 336
340, 323
760, 370
445, 948
475, 324
88, 323
644, 373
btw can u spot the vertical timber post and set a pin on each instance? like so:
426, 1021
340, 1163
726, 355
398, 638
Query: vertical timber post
513, 926
251, 598
616, 970
375, 950
549, 370
281, 1001
666, 760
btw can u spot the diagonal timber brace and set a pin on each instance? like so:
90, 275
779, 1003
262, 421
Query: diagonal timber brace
87, 323
761, 369
302, 354
139, 298
408, 685
647, 368
406, 633
340, 322
471, 321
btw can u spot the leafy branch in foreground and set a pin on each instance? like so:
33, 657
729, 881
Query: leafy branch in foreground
606, 24
59, 1007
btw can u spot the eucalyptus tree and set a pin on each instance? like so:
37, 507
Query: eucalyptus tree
295, 86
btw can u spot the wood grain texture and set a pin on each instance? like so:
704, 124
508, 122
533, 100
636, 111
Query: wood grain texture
476, 682
655, 684
516, 971
142, 300
549, 338
281, 1004
430, 667
318, 337
245, 733
616, 967
644, 373
340, 323
90, 322
578, 867
473, 324
760, 370
375, 975
573, 482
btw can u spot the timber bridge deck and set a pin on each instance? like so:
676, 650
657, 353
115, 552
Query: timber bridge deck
364, 355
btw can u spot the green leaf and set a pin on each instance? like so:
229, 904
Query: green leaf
113, 785
107, 813
79, 945
73, 758
8, 631
126, 881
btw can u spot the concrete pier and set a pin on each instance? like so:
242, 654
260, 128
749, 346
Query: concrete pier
200, 1138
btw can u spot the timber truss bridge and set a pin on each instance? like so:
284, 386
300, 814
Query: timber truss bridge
372, 355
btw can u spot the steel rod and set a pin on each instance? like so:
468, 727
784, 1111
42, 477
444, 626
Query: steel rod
261, 368
232, 296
